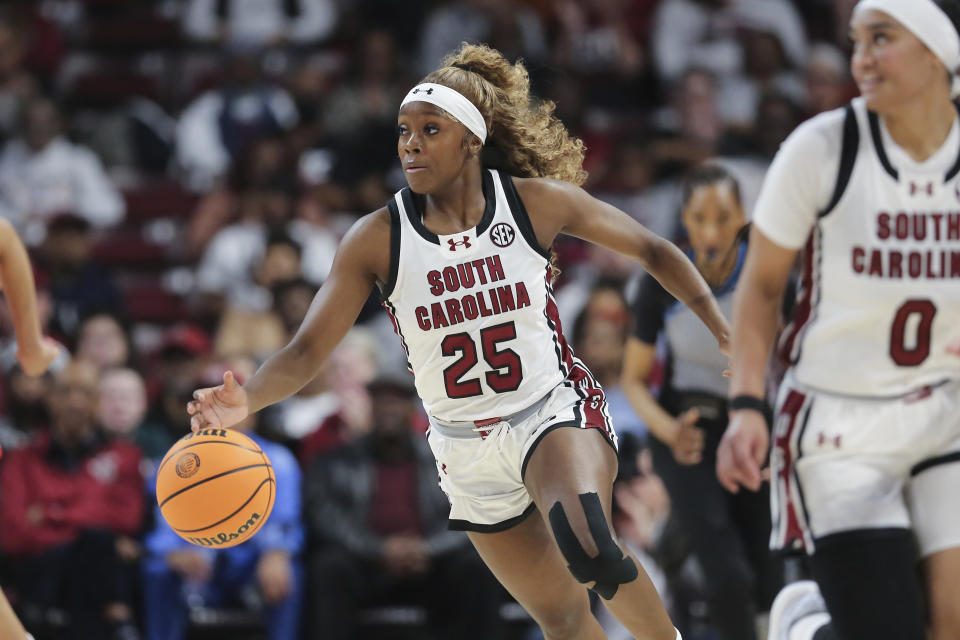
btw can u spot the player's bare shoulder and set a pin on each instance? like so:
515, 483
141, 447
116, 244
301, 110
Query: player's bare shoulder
817, 140
545, 191
550, 204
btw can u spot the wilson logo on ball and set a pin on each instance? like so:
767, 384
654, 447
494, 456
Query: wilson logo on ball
223, 501
223, 538
187, 465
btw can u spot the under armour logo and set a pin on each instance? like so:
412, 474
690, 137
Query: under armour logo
465, 243
823, 438
914, 188
426, 91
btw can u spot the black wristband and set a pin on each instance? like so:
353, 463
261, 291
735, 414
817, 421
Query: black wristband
753, 403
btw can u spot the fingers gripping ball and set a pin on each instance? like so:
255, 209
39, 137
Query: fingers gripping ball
215, 487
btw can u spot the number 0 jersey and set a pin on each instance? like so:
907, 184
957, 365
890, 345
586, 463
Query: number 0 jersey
475, 310
878, 310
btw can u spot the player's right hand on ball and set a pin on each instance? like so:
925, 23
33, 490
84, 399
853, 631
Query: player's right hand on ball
218, 407
742, 451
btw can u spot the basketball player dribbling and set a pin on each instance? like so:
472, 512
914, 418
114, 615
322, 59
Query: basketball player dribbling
865, 462
34, 353
463, 263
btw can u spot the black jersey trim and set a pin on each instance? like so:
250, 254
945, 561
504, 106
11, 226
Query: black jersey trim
465, 525
520, 215
416, 205
490, 204
878, 145
796, 476
577, 423
816, 291
955, 169
857, 536
395, 234
848, 157
392, 313
554, 324
934, 462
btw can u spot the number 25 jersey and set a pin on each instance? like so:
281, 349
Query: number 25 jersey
475, 310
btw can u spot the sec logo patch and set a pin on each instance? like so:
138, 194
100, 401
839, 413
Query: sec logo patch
502, 234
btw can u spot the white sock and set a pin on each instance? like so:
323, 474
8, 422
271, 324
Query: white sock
807, 626
678, 634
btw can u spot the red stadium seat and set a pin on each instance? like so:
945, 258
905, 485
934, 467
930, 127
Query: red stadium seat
137, 31
149, 301
127, 249
112, 85
158, 199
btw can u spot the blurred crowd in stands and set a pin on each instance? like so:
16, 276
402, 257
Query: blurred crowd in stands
182, 172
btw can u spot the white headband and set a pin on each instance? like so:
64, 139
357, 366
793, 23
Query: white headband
929, 23
451, 101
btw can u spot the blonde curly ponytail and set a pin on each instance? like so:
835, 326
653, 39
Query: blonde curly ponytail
533, 142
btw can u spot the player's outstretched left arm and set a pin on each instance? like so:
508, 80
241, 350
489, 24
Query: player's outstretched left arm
362, 259
560, 207
34, 352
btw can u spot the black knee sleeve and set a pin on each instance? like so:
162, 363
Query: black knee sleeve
610, 568
869, 581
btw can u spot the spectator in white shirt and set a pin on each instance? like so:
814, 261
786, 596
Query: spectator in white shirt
220, 124
512, 27
751, 45
42, 174
226, 273
259, 23
694, 33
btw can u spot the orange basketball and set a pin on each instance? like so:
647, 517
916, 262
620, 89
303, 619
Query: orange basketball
215, 487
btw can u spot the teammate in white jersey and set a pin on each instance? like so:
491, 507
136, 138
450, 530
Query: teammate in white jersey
866, 458
462, 259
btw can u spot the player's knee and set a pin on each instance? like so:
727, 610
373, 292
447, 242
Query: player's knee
609, 568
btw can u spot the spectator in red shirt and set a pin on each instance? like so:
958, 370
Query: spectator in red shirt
69, 500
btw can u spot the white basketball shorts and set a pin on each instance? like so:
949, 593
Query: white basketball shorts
841, 463
481, 466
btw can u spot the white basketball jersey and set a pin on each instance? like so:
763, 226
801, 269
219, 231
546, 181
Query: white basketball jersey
475, 310
878, 311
